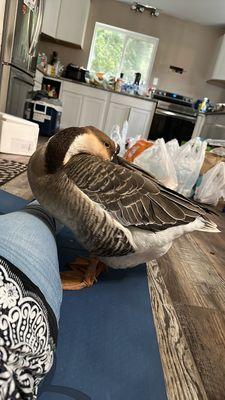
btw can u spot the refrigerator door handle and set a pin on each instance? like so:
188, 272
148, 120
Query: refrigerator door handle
38, 27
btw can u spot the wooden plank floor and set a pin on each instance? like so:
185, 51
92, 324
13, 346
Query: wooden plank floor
187, 289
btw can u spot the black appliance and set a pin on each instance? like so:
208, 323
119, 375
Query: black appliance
174, 117
75, 73
21, 29
137, 78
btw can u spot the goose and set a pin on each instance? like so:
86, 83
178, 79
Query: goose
121, 214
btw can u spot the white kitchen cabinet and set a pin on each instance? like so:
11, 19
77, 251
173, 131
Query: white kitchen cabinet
117, 115
50, 17
139, 122
72, 22
66, 20
92, 112
72, 104
218, 67
137, 112
83, 105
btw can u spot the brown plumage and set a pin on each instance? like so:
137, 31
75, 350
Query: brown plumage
132, 198
116, 210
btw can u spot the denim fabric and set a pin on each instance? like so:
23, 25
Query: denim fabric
27, 242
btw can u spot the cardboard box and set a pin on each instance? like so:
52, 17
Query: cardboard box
17, 135
210, 161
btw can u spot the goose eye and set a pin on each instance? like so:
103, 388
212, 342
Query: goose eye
106, 145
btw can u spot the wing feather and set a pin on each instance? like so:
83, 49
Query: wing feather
130, 195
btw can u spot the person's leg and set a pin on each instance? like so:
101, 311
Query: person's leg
27, 241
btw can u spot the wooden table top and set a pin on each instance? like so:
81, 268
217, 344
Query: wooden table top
187, 288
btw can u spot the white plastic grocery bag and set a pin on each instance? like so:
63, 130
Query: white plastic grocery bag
212, 186
188, 163
173, 148
120, 137
158, 162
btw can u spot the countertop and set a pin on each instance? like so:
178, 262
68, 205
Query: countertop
62, 78
215, 113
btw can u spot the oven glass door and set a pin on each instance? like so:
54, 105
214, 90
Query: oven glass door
170, 125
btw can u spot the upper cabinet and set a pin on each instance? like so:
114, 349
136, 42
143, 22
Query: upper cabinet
50, 18
66, 20
218, 67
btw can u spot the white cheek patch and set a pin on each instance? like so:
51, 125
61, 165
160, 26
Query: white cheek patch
70, 152
86, 143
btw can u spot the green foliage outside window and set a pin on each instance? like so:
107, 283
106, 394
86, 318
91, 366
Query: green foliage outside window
116, 52
108, 51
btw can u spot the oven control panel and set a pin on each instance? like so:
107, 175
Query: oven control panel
172, 97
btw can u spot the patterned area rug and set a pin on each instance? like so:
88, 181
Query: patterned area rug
10, 169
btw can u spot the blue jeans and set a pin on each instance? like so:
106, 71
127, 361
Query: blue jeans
28, 243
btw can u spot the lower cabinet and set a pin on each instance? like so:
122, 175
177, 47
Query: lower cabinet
72, 104
83, 106
117, 115
92, 112
139, 122
137, 112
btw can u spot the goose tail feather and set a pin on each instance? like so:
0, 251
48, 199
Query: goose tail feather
207, 226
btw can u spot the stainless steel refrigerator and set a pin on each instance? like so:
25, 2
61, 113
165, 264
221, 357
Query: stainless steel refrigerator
22, 26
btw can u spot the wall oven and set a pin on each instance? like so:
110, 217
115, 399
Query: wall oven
174, 118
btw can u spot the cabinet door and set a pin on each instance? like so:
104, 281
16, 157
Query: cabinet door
72, 21
50, 17
117, 115
72, 104
218, 60
139, 122
92, 112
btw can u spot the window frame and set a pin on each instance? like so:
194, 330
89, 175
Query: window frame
129, 34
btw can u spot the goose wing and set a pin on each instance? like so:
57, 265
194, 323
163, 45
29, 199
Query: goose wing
130, 195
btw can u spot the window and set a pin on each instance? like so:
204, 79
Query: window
116, 50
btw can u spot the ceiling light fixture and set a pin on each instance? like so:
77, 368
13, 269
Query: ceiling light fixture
138, 7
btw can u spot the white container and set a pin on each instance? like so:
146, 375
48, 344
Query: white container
17, 135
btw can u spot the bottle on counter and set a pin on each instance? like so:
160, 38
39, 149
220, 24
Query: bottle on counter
204, 105
137, 83
54, 58
119, 83
137, 78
